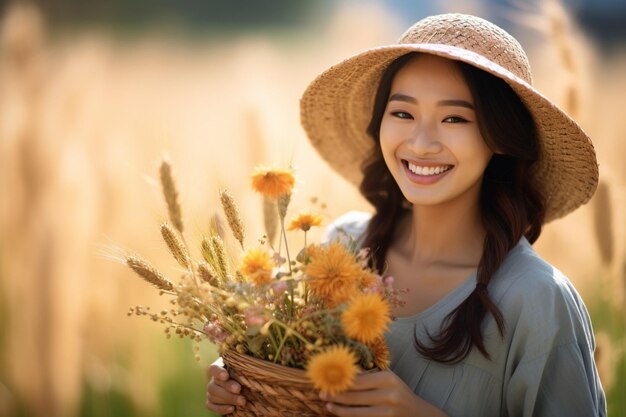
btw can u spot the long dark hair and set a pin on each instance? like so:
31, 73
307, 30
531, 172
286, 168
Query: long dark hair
511, 204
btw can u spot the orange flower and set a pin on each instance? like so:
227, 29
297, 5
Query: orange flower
380, 353
368, 280
366, 317
333, 370
257, 265
304, 221
273, 182
333, 273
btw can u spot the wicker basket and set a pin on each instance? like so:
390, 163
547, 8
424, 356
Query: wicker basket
271, 389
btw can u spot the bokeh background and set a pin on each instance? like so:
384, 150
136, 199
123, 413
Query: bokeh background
94, 93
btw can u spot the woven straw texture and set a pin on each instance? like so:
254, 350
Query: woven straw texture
272, 390
337, 106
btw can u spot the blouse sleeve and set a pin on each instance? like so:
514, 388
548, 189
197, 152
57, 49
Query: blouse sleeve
563, 382
552, 370
348, 228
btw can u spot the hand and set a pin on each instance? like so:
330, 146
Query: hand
222, 392
381, 394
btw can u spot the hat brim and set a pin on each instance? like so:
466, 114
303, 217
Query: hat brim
337, 107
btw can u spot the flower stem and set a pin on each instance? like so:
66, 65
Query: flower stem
306, 287
289, 332
284, 233
290, 283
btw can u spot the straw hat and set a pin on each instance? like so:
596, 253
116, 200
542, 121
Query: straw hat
337, 106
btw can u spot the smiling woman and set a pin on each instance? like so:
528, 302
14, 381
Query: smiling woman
463, 162
429, 134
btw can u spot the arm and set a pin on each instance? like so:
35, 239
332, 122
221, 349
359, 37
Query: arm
562, 382
552, 368
381, 394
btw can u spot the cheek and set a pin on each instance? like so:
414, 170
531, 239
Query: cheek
389, 139
478, 154
388, 149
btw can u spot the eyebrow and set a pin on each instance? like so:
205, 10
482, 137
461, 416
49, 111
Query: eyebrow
451, 102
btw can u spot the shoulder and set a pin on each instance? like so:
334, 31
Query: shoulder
538, 299
348, 227
524, 272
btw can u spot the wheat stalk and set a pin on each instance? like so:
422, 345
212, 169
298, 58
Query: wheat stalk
207, 251
283, 204
171, 195
217, 245
560, 27
175, 245
149, 273
602, 221
270, 218
232, 215
208, 274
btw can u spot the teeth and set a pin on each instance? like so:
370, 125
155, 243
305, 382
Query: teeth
427, 170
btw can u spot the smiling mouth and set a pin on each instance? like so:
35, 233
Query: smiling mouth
426, 170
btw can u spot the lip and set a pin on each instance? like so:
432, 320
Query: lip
424, 179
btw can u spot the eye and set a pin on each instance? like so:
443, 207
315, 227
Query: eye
401, 115
455, 119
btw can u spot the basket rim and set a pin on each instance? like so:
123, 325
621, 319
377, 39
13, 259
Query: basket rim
264, 368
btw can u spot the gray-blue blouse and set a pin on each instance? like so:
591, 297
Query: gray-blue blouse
542, 366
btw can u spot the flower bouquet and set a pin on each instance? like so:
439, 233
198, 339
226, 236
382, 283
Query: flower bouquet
287, 327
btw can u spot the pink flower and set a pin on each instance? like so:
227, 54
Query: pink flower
214, 332
279, 287
254, 316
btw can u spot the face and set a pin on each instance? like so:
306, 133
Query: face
429, 133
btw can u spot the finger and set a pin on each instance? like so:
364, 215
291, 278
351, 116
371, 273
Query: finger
217, 372
347, 411
232, 386
373, 380
223, 380
218, 395
365, 398
219, 408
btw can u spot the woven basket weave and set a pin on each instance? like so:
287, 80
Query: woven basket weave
271, 389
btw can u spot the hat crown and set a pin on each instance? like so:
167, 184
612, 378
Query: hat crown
472, 34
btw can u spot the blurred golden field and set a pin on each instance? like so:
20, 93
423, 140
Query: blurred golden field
84, 122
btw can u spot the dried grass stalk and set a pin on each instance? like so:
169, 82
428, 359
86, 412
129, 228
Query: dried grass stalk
220, 257
216, 225
560, 28
270, 218
175, 245
603, 222
149, 273
208, 274
207, 251
283, 204
232, 215
171, 195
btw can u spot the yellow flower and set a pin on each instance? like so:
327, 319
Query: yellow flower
304, 221
333, 273
380, 353
333, 370
257, 265
366, 317
273, 182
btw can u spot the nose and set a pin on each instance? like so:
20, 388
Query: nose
423, 140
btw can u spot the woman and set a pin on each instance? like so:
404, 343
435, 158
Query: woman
463, 162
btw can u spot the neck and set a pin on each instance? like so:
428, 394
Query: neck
450, 233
